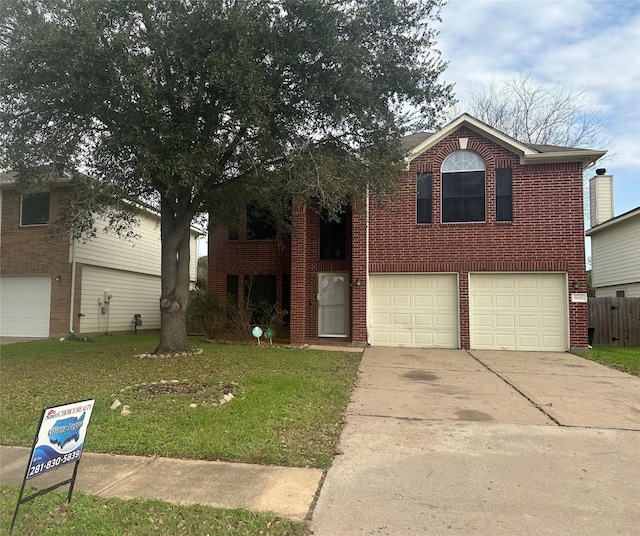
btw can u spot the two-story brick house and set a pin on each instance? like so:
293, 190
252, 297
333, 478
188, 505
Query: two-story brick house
482, 246
51, 284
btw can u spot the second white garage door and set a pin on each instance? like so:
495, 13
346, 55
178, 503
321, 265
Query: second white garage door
417, 310
518, 311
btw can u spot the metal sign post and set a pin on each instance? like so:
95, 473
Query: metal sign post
59, 441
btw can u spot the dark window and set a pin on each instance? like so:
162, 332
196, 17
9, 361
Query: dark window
286, 296
463, 196
424, 197
333, 238
260, 225
504, 197
35, 209
260, 290
232, 295
619, 293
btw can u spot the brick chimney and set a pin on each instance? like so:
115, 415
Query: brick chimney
600, 197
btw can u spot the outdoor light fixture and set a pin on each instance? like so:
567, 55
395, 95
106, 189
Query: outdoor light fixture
576, 284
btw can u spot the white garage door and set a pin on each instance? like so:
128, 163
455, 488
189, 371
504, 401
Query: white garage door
419, 310
25, 303
518, 311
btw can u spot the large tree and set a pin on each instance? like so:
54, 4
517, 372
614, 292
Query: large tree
195, 104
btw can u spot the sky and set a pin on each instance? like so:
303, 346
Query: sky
590, 45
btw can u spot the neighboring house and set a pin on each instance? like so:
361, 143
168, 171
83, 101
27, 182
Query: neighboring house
615, 243
482, 247
51, 284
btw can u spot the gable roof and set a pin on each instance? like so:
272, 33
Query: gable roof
416, 144
633, 213
8, 179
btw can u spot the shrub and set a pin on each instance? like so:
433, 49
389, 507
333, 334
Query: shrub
205, 314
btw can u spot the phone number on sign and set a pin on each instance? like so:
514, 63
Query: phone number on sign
54, 462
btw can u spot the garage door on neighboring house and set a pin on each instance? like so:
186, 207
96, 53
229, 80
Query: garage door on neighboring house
416, 310
25, 305
518, 311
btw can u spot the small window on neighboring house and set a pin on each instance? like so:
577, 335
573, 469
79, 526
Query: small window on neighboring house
35, 209
504, 197
424, 197
463, 188
619, 293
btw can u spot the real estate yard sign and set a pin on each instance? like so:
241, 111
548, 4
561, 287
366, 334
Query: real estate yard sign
59, 441
60, 437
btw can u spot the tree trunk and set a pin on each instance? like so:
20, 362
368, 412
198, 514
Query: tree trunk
174, 299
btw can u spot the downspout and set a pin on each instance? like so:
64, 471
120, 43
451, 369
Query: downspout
367, 308
73, 284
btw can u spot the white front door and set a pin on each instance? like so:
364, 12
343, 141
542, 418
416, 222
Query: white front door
333, 304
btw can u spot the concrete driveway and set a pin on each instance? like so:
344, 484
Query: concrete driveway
485, 443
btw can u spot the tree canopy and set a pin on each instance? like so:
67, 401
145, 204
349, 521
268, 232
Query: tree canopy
196, 105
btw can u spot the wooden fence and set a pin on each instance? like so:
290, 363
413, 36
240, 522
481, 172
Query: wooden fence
614, 321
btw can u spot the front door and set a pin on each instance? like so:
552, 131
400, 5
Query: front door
333, 304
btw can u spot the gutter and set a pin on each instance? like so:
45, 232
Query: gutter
587, 157
613, 221
73, 284
368, 309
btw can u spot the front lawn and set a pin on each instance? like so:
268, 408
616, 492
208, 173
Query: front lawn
286, 408
50, 515
625, 358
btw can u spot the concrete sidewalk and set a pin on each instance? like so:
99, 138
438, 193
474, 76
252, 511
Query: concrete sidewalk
485, 444
287, 491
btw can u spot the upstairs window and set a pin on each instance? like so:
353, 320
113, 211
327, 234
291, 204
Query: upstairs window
34, 209
504, 196
333, 238
233, 234
424, 197
260, 225
463, 188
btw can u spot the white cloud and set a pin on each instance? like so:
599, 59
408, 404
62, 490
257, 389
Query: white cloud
593, 45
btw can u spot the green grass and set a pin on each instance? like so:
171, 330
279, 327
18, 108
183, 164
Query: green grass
287, 408
625, 358
50, 515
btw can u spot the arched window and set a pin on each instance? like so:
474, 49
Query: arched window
463, 188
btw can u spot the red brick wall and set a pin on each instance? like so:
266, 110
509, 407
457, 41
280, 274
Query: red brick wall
298, 257
243, 257
32, 250
546, 234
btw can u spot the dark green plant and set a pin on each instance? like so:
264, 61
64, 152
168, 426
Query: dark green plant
205, 315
